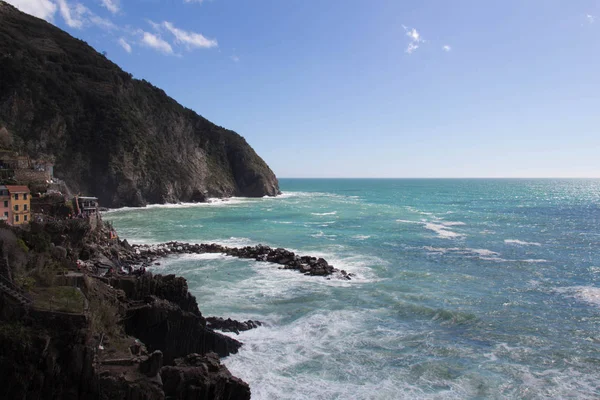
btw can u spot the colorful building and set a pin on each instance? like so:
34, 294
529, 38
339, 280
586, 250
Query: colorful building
20, 207
4, 204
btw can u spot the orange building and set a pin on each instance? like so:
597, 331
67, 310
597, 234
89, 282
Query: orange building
20, 210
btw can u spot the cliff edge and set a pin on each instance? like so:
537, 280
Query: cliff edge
121, 139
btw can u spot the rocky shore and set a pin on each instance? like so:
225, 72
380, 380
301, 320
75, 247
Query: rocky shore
146, 255
83, 317
74, 333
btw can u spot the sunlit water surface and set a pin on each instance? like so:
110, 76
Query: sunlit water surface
463, 288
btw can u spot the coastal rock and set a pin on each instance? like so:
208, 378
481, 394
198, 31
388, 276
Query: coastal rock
230, 325
146, 254
152, 365
164, 325
202, 377
168, 287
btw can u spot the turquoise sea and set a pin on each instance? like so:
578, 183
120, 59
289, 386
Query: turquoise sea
464, 288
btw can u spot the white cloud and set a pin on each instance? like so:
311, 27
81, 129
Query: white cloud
102, 22
44, 9
194, 1
235, 58
73, 15
415, 39
190, 39
111, 5
590, 18
156, 42
411, 47
446, 48
125, 45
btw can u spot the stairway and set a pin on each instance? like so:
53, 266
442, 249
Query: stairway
15, 293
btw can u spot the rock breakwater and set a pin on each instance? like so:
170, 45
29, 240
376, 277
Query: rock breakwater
146, 255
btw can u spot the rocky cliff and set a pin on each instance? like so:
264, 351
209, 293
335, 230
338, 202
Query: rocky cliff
113, 136
69, 332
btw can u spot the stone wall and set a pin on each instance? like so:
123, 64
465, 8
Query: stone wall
26, 176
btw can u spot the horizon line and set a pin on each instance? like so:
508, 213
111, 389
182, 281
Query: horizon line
442, 177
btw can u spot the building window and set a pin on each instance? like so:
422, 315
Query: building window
6, 214
16, 207
16, 196
25, 207
24, 196
5, 203
16, 218
25, 217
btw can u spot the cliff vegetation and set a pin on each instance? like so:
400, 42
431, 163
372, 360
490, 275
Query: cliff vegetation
113, 136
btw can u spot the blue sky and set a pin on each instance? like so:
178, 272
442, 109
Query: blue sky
344, 88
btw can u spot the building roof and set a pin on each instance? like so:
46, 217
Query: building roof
17, 189
87, 198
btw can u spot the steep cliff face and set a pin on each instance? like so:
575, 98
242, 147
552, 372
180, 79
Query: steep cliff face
113, 136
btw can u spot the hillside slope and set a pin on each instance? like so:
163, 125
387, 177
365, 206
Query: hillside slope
113, 136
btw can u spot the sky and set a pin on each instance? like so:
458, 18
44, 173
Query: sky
378, 88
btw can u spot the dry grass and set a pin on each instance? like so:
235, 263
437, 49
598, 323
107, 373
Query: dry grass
59, 298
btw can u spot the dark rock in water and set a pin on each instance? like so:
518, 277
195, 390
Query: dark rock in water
305, 264
114, 136
202, 377
305, 268
230, 325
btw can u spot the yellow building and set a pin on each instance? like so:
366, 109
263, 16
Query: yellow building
20, 207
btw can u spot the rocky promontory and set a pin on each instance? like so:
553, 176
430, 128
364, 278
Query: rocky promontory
110, 134
67, 332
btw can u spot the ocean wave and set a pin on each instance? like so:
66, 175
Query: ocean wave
325, 213
521, 242
587, 294
234, 242
212, 202
442, 228
361, 237
483, 254
317, 357
417, 211
444, 316
321, 234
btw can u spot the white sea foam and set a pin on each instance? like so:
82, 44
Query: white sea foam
587, 294
235, 242
325, 213
483, 254
406, 221
442, 230
309, 358
212, 202
417, 211
321, 234
521, 242
361, 237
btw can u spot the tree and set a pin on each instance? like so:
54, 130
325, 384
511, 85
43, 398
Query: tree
6, 138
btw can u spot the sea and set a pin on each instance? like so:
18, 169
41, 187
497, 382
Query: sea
463, 288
